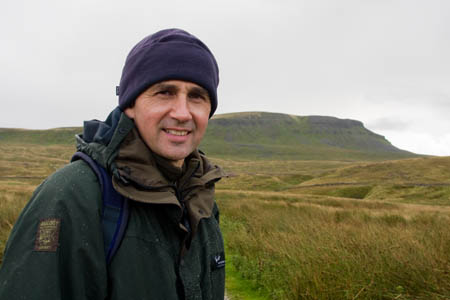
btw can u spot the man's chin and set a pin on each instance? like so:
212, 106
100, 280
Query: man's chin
175, 158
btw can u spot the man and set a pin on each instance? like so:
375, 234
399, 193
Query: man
172, 247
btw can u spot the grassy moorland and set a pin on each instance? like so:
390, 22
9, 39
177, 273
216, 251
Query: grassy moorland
355, 231
298, 229
318, 248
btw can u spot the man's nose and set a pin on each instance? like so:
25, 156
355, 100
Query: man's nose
180, 109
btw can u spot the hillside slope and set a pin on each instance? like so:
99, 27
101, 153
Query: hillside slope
257, 135
280, 136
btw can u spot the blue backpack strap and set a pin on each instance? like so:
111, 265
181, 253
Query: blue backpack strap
115, 210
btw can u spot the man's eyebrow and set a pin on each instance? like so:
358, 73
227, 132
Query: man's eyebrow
165, 86
199, 90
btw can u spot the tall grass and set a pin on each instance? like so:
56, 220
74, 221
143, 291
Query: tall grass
312, 251
11, 203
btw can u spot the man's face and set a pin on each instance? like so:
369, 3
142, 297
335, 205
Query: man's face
172, 117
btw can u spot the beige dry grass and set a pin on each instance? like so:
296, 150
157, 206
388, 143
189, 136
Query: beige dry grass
307, 250
343, 233
375, 239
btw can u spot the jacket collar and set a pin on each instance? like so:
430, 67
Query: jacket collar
116, 145
101, 140
140, 176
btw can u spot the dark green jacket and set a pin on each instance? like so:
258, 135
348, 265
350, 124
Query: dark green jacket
55, 250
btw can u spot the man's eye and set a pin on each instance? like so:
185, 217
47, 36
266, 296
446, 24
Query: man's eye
196, 96
164, 93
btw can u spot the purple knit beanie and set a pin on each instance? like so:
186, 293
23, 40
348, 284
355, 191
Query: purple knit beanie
170, 54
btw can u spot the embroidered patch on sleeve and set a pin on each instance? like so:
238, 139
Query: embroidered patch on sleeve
218, 261
47, 236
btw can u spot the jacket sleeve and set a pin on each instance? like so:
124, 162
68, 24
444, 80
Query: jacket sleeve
55, 250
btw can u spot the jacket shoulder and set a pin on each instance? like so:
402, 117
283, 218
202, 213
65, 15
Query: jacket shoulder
58, 234
77, 173
73, 182
71, 193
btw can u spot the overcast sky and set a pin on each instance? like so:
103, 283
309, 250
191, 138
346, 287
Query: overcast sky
383, 62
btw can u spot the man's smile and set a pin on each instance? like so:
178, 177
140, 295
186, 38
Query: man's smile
177, 132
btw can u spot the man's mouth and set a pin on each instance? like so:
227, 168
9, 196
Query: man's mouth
177, 132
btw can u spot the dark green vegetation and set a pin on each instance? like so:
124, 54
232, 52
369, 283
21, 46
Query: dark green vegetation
258, 135
347, 225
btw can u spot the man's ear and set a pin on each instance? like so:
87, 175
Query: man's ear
129, 112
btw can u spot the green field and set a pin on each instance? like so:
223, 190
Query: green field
300, 229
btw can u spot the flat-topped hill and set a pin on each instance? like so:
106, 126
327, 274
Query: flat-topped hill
264, 135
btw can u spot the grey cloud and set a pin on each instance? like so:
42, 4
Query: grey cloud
62, 59
388, 124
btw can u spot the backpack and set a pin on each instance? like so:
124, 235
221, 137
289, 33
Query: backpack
115, 209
